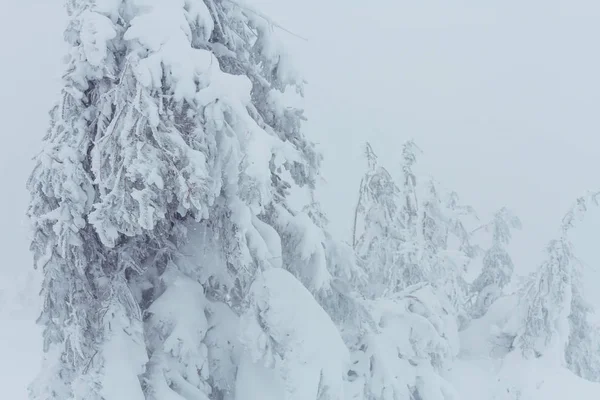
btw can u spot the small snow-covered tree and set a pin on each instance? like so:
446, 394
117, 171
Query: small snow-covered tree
378, 215
411, 220
436, 245
553, 305
582, 354
446, 244
410, 330
87, 305
498, 266
548, 297
412, 232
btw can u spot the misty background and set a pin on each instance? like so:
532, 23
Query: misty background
502, 98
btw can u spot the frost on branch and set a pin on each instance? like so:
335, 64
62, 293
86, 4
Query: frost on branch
175, 336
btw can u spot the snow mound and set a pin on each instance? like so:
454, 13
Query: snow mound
285, 329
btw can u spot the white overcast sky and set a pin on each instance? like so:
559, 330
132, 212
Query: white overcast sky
502, 96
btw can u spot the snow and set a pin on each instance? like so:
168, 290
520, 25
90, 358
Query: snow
164, 30
258, 382
486, 370
484, 335
179, 359
489, 379
308, 256
272, 241
96, 31
124, 359
416, 340
285, 328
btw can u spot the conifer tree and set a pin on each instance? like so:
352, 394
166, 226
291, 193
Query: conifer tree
549, 297
409, 335
555, 311
411, 220
447, 250
498, 266
163, 182
582, 354
378, 214
412, 232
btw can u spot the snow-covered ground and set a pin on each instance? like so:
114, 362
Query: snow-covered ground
482, 372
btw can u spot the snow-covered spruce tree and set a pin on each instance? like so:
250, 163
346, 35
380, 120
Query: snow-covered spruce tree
87, 307
163, 182
388, 233
436, 244
498, 266
447, 251
548, 296
412, 232
378, 231
554, 310
582, 353
413, 270
412, 334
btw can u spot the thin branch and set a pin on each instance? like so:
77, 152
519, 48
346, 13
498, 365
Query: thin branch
358, 204
266, 18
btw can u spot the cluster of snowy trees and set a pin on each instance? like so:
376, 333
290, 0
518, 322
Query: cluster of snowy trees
177, 266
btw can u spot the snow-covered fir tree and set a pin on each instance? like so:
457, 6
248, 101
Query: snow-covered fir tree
548, 297
377, 218
497, 265
159, 211
408, 227
555, 323
582, 353
416, 284
447, 251
413, 231
413, 270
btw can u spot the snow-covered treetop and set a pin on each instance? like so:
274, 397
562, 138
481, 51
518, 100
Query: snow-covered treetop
377, 198
498, 266
578, 210
552, 293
